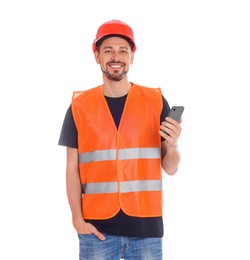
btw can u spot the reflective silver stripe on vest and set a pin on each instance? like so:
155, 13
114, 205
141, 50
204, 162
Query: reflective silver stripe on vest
123, 154
100, 187
98, 155
149, 185
139, 153
127, 186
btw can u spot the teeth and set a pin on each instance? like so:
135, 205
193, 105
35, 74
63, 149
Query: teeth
116, 66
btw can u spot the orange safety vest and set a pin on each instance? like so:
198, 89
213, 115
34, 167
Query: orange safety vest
119, 168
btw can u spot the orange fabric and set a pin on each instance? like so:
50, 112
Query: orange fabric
138, 128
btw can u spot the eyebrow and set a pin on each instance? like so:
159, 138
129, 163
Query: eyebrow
110, 47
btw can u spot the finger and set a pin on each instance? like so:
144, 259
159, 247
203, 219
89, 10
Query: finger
168, 128
166, 134
173, 125
97, 233
168, 139
171, 120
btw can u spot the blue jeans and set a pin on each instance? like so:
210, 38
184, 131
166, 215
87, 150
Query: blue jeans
119, 247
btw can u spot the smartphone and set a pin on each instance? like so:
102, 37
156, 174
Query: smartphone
176, 112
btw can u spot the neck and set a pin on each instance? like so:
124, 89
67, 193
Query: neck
116, 89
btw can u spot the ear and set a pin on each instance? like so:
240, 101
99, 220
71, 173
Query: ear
96, 53
132, 57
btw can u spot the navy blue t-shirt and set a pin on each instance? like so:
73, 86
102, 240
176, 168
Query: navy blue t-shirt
121, 224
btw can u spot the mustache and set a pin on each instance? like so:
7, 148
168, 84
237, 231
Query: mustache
117, 62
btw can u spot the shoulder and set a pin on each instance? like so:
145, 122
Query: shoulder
147, 91
89, 93
147, 88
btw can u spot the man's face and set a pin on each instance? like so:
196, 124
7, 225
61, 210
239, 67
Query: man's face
115, 57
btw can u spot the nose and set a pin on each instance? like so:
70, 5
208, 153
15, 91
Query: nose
115, 56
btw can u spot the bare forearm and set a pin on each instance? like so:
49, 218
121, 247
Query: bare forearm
171, 159
73, 184
74, 194
170, 131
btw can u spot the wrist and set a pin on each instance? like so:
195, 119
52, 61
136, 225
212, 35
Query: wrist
172, 147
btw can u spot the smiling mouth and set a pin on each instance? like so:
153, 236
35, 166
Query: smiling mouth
115, 65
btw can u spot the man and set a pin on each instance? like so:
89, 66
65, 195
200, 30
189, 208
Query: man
118, 139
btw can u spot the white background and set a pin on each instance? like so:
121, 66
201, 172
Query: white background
197, 51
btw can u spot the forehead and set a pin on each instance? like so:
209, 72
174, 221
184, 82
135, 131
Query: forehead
115, 42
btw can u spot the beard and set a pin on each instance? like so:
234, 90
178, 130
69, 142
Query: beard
115, 75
